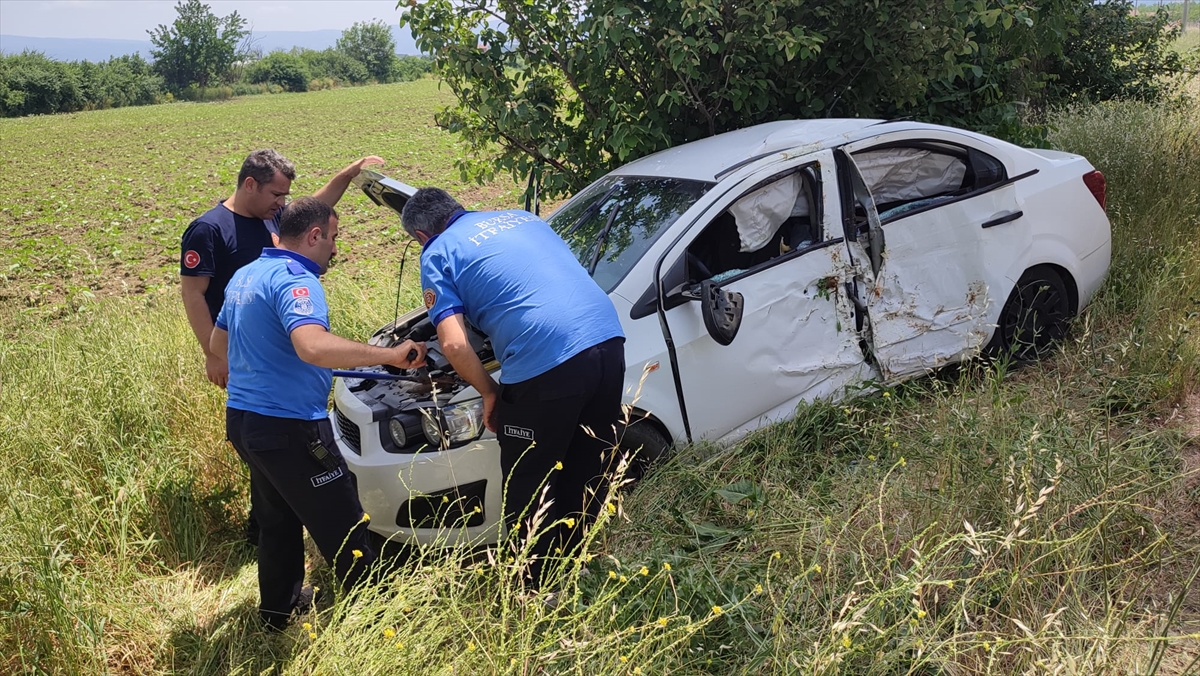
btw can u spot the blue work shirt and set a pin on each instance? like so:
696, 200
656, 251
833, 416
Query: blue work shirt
515, 280
264, 302
218, 244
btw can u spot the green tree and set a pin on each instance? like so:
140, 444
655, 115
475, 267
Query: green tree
199, 48
285, 69
580, 88
370, 43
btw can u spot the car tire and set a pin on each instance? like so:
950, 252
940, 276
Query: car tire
647, 445
1034, 318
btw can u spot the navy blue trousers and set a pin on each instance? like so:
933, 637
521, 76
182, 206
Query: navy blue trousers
291, 490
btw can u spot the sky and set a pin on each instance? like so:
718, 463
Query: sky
130, 19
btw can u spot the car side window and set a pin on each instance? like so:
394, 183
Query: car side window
911, 177
779, 216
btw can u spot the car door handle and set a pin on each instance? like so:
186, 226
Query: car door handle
1006, 218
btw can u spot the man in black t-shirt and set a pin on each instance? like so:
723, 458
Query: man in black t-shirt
234, 233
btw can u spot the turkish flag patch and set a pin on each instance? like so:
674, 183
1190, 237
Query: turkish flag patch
191, 259
300, 292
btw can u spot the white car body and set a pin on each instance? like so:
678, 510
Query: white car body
929, 292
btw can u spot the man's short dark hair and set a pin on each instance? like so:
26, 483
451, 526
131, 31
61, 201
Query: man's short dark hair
304, 214
261, 165
428, 210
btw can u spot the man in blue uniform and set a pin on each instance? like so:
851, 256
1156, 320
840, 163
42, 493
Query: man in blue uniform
234, 233
274, 332
558, 340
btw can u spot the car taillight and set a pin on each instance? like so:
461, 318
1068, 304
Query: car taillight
1095, 182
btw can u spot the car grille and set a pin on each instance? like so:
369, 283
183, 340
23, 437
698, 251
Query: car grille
350, 432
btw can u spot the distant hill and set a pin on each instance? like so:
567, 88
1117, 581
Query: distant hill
99, 49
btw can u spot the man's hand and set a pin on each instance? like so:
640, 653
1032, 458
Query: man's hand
402, 351
217, 370
489, 411
336, 187
355, 167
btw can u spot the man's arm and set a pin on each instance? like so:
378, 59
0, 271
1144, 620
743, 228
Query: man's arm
218, 344
452, 337
192, 289
336, 187
321, 348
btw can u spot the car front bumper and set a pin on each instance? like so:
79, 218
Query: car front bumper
424, 496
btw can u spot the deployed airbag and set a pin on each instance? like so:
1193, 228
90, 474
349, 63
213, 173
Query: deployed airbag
760, 213
904, 174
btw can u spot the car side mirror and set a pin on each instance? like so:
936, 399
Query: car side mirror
722, 311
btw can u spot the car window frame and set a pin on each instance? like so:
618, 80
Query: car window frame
819, 208
940, 146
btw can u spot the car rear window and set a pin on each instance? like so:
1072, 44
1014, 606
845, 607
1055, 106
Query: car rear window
611, 224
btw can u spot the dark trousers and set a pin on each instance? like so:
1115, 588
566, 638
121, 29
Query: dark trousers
542, 422
290, 489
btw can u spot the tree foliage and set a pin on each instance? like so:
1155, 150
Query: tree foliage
32, 84
199, 48
285, 69
578, 88
370, 43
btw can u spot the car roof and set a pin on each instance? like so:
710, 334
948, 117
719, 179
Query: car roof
706, 159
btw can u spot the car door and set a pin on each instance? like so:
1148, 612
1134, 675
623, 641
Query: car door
797, 338
928, 216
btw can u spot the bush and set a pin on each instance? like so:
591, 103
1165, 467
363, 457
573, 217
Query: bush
333, 64
406, 68
31, 84
285, 69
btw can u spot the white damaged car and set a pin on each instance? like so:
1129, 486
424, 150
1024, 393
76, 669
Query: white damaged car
753, 270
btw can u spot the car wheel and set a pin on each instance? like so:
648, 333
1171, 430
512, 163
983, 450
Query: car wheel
643, 441
1035, 316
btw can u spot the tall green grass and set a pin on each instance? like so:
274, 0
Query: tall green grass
985, 521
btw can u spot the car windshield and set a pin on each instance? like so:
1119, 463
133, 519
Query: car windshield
616, 219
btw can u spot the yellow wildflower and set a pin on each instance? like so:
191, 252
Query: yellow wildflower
570, 522
749, 512
921, 614
817, 567
389, 632
846, 411
400, 645
776, 555
366, 517
950, 584
612, 575
357, 553
758, 589
637, 670
624, 579
558, 465
470, 646
666, 566
895, 444
903, 462
445, 498
644, 571
717, 610
846, 642
887, 394
870, 457
662, 622
624, 659
307, 626
312, 635
612, 509
477, 509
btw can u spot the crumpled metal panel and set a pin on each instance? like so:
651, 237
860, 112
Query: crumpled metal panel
797, 341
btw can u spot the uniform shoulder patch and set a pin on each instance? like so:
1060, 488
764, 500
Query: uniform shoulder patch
300, 291
191, 259
430, 298
303, 306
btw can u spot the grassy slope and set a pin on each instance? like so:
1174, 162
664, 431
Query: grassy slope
835, 543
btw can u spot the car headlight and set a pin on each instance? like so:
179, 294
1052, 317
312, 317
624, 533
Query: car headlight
404, 429
456, 423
